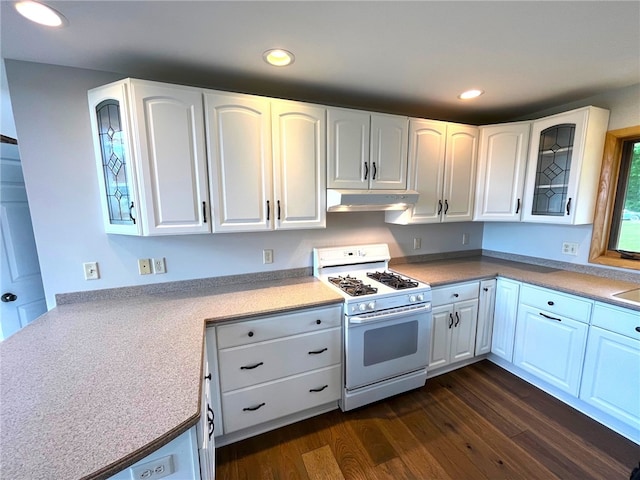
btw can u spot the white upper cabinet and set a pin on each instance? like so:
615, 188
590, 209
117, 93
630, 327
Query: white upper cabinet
502, 160
366, 151
299, 165
442, 165
266, 163
564, 167
240, 161
149, 140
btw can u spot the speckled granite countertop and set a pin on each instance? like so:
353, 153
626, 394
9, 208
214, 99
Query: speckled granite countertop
90, 388
443, 272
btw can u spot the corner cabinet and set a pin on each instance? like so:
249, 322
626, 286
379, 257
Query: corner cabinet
564, 167
266, 163
366, 151
442, 166
502, 161
151, 157
486, 307
504, 318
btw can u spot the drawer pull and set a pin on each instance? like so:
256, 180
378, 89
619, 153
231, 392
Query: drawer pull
315, 390
208, 377
317, 352
638, 329
251, 367
550, 318
250, 334
550, 303
253, 409
456, 295
318, 322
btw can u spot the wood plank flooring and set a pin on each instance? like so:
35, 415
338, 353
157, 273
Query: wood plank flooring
479, 422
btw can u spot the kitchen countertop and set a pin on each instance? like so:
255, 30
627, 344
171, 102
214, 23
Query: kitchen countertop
89, 388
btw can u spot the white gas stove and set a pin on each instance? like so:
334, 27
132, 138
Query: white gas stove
387, 322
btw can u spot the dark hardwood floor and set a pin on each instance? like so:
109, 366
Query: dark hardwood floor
479, 422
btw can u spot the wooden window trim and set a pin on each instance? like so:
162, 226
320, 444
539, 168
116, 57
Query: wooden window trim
599, 252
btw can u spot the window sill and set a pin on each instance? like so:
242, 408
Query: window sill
612, 259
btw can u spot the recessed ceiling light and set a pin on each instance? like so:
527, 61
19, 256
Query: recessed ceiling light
469, 94
278, 57
40, 13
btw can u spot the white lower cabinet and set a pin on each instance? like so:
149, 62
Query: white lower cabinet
278, 366
504, 318
611, 375
486, 308
551, 335
453, 332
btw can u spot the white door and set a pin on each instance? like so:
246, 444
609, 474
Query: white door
21, 284
486, 307
463, 334
389, 143
348, 149
504, 318
299, 165
240, 162
170, 139
460, 173
441, 325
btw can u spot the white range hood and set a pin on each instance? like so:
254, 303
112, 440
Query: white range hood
369, 200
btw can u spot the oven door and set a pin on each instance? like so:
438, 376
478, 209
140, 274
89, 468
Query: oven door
383, 345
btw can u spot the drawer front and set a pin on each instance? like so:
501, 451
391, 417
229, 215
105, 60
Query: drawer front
556, 303
455, 293
260, 362
615, 319
275, 326
252, 406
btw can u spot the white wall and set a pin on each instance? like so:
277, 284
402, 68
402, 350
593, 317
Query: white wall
52, 122
545, 241
7, 125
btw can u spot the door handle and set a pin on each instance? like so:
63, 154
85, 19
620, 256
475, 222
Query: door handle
366, 170
9, 297
446, 206
450, 320
457, 320
439, 207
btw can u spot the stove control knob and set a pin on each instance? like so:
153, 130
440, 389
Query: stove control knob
372, 305
412, 298
420, 297
362, 307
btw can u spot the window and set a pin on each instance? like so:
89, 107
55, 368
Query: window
616, 228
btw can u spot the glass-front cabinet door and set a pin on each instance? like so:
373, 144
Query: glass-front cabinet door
565, 155
118, 192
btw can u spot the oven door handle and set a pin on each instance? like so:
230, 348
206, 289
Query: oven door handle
380, 317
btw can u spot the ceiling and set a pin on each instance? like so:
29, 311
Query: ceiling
401, 57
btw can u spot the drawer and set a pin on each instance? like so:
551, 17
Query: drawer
254, 405
556, 303
454, 293
260, 362
275, 326
616, 319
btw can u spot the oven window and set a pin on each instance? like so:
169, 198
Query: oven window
388, 343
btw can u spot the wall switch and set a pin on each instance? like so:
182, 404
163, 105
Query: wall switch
159, 265
144, 266
267, 256
465, 239
91, 271
569, 248
417, 243
154, 469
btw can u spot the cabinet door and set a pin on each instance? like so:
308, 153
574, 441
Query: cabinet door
463, 333
441, 327
501, 167
240, 162
550, 348
611, 376
486, 308
427, 141
564, 160
115, 157
348, 149
299, 165
170, 141
459, 173
389, 142
504, 318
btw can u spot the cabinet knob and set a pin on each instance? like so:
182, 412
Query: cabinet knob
485, 289
250, 334
638, 329
9, 297
456, 295
318, 322
550, 303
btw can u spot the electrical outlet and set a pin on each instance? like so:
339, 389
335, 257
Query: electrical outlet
154, 469
465, 239
569, 248
417, 243
267, 256
144, 266
159, 265
91, 271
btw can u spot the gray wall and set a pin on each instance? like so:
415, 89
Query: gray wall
52, 123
